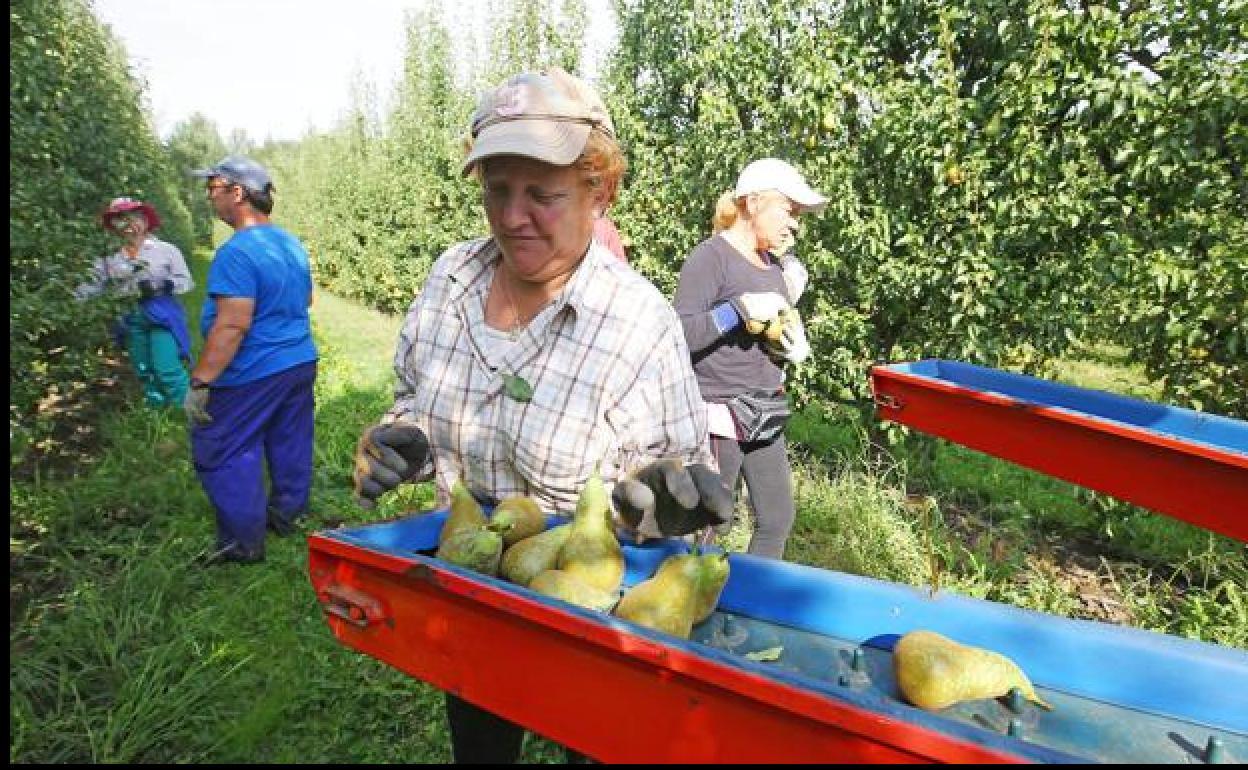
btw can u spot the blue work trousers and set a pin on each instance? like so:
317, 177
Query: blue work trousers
270, 419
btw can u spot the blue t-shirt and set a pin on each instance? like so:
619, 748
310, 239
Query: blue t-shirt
269, 265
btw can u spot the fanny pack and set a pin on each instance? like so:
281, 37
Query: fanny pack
760, 415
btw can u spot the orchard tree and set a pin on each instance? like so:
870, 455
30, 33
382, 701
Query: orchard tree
195, 143
379, 198
979, 160
78, 137
1172, 133
535, 33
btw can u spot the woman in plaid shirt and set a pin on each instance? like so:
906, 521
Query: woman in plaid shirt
533, 356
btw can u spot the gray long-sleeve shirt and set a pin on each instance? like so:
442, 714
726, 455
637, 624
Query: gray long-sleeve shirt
734, 362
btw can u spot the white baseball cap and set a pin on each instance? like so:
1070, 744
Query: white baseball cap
775, 174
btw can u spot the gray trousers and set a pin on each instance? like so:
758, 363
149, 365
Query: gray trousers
765, 468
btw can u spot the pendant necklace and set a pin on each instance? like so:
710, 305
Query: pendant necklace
516, 387
513, 329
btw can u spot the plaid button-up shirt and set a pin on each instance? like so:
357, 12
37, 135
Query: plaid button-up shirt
612, 382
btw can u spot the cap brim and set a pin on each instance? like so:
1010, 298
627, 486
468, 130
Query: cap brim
556, 143
807, 198
204, 173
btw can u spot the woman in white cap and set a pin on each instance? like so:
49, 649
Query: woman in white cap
736, 300
151, 271
533, 357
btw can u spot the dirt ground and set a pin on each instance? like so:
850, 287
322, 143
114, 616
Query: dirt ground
72, 419
1083, 568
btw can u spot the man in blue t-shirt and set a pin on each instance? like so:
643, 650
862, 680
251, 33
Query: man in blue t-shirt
251, 391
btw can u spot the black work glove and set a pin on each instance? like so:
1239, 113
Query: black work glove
148, 289
386, 456
668, 498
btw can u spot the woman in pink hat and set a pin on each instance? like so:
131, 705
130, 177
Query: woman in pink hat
152, 271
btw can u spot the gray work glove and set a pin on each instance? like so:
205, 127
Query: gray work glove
386, 456
196, 406
668, 498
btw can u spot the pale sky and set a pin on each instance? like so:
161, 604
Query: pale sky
274, 68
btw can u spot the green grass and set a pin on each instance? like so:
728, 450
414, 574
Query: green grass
122, 650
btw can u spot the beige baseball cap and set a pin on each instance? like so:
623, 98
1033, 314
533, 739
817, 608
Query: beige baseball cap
544, 115
775, 174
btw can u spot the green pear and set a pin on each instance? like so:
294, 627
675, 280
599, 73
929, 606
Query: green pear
465, 515
592, 553
934, 671
479, 549
712, 572
711, 581
526, 559
593, 498
561, 585
525, 516
666, 602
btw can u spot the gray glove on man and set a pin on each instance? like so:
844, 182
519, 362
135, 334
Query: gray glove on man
668, 498
386, 456
195, 405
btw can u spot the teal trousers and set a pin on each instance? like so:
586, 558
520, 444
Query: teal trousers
154, 355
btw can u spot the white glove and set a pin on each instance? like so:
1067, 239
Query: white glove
795, 276
758, 309
788, 341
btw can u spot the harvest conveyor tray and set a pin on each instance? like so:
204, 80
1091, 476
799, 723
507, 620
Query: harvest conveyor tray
619, 692
1186, 464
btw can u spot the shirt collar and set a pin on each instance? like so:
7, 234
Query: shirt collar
475, 266
148, 243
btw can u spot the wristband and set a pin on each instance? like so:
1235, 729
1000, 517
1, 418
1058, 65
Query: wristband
725, 317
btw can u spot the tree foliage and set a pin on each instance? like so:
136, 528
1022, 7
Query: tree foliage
1003, 183
1008, 180
378, 199
195, 143
78, 136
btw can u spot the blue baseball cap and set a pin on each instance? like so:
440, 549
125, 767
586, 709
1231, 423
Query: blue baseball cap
239, 170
